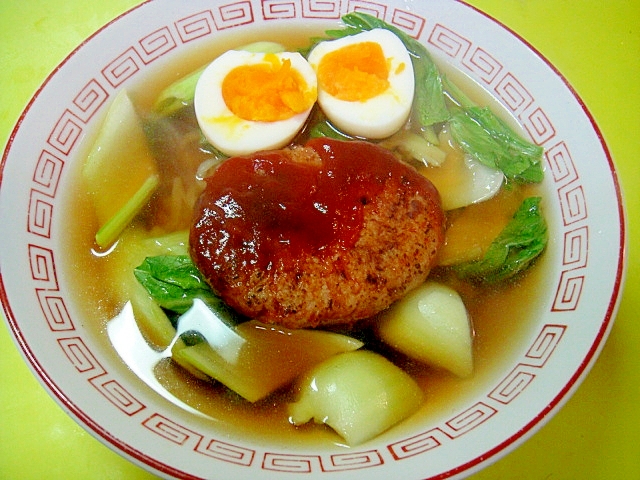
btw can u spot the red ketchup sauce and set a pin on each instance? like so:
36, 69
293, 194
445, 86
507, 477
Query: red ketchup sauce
265, 210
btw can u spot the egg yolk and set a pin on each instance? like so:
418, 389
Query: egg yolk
354, 73
268, 91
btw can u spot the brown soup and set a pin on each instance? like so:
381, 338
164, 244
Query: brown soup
498, 336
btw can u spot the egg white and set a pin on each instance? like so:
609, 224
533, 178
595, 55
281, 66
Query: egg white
231, 134
384, 114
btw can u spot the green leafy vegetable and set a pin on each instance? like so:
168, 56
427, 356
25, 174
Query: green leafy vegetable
491, 141
429, 101
173, 281
516, 247
484, 136
325, 129
477, 130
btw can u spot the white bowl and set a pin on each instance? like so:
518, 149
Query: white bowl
584, 262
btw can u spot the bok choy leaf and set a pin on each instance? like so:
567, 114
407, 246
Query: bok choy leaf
516, 247
173, 281
493, 143
326, 129
478, 131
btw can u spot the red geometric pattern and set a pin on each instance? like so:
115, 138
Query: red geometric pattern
43, 268
561, 164
40, 212
233, 15
195, 26
54, 309
66, 133
576, 247
321, 9
170, 430
462, 423
538, 126
156, 44
473, 58
117, 395
47, 173
407, 21
544, 345
513, 94
534, 360
226, 452
89, 100
469, 419
572, 203
123, 67
449, 42
283, 9
81, 357
352, 461
280, 9
513, 384
482, 64
418, 444
289, 463
378, 10
568, 291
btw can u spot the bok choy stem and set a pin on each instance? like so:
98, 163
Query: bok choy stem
113, 227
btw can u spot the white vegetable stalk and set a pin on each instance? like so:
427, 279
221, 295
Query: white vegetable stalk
359, 394
431, 325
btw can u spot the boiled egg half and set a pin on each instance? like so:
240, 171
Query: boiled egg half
247, 101
365, 82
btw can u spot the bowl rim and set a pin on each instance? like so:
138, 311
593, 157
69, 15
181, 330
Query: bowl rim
510, 443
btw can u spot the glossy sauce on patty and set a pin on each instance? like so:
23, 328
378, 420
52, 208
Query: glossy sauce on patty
270, 208
326, 233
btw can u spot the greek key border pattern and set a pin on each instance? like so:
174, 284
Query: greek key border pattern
477, 60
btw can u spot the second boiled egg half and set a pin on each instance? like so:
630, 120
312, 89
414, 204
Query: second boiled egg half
365, 82
247, 101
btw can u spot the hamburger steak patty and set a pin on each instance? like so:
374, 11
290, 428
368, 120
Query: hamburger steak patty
329, 233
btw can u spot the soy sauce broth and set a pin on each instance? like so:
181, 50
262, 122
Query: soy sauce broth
502, 316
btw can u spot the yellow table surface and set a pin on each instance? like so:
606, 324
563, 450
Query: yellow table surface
594, 44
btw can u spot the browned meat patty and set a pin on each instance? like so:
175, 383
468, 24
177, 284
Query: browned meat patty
325, 234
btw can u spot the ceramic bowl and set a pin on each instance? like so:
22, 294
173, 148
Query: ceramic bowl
573, 313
